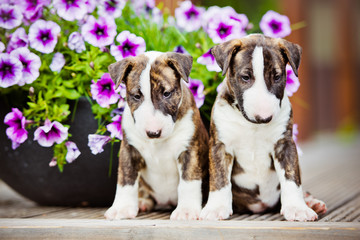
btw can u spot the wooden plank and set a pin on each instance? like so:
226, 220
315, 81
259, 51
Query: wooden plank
159, 229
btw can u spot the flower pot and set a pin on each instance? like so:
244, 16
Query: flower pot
83, 182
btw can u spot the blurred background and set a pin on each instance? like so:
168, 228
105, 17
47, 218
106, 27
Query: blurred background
328, 99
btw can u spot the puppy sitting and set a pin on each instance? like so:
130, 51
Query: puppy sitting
164, 151
253, 158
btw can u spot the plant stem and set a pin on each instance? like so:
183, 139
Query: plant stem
111, 158
74, 111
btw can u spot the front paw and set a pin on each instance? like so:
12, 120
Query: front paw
216, 213
298, 213
121, 212
185, 213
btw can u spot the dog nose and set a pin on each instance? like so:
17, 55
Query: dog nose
153, 134
262, 120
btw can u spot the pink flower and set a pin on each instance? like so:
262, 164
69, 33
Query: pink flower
103, 91
18, 39
71, 10
188, 16
115, 127
97, 142
72, 151
197, 89
99, 32
130, 45
16, 131
50, 133
43, 35
209, 61
275, 25
292, 81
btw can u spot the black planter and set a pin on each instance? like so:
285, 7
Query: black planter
83, 182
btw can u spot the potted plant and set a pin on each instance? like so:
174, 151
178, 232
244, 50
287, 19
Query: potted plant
62, 115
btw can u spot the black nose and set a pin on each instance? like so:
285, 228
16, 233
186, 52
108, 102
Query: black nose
262, 120
153, 134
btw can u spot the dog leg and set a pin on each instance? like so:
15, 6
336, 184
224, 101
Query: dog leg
219, 205
146, 202
315, 204
293, 205
189, 189
125, 204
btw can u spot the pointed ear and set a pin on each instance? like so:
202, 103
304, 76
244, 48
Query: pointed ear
291, 53
120, 70
224, 52
180, 63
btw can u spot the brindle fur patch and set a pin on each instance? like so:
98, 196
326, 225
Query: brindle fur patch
243, 197
130, 163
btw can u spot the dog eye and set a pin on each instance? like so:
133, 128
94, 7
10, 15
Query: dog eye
137, 97
245, 78
167, 94
277, 78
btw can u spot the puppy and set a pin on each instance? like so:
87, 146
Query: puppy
164, 151
253, 158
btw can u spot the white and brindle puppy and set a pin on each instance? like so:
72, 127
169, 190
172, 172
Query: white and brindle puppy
164, 152
253, 158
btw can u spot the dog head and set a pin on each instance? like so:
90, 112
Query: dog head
256, 75
153, 89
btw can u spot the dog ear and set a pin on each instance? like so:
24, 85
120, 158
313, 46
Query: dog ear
120, 70
291, 53
224, 52
180, 63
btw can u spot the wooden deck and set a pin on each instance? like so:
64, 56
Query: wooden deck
330, 171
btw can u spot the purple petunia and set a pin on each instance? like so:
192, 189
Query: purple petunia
32, 9
275, 25
219, 87
115, 127
16, 131
72, 151
103, 91
130, 45
10, 70
31, 65
90, 5
50, 133
76, 42
10, 16
57, 62
292, 81
97, 142
223, 28
188, 16
18, 39
43, 35
180, 49
209, 60
112, 8
100, 32
71, 10
197, 89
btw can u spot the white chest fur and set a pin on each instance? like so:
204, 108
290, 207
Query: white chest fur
251, 145
161, 155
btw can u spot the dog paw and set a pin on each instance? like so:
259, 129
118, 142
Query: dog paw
315, 204
123, 212
298, 213
216, 213
184, 213
146, 204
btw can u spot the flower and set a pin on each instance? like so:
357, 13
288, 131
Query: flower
18, 39
90, 5
130, 45
115, 127
209, 60
275, 25
16, 131
50, 133
2, 46
10, 16
111, 8
57, 62
72, 151
70, 10
188, 16
43, 35
180, 49
218, 88
292, 81
97, 142
31, 64
53, 162
224, 28
10, 70
32, 9
197, 89
76, 42
103, 91
122, 90
99, 33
